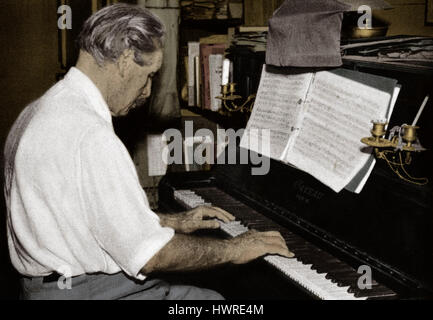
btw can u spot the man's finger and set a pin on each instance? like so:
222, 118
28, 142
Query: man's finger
271, 234
215, 213
229, 216
281, 250
274, 241
207, 224
210, 213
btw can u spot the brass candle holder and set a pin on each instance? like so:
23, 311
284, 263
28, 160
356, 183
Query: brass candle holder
397, 149
409, 136
228, 98
401, 138
377, 134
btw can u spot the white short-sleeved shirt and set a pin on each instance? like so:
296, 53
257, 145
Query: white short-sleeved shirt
73, 196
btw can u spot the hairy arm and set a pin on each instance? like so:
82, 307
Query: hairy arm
187, 253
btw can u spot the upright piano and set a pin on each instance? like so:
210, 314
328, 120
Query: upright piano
339, 239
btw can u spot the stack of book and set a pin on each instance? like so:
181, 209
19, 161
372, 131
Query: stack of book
206, 59
204, 9
205, 64
252, 38
221, 9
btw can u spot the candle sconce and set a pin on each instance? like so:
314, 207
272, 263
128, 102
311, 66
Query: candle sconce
397, 149
229, 97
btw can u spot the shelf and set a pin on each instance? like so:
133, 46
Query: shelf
211, 23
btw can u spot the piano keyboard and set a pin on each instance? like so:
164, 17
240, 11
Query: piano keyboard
316, 271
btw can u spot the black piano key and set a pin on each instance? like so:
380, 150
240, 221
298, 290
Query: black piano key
307, 253
335, 274
355, 288
347, 280
324, 267
257, 224
305, 259
385, 296
314, 260
298, 247
304, 248
375, 291
292, 243
340, 272
327, 264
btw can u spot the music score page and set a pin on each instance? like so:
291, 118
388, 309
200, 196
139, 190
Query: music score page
317, 121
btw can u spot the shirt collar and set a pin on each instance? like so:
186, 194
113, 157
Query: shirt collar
79, 81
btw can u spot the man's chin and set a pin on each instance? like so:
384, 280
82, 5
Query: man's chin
126, 111
121, 113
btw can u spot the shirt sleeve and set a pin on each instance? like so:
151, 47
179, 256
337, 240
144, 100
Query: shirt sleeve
115, 205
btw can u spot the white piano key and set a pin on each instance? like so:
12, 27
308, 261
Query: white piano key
311, 279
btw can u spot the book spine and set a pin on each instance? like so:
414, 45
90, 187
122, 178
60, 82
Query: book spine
208, 49
204, 60
197, 81
193, 52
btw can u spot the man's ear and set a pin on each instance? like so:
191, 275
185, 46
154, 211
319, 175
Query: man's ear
124, 62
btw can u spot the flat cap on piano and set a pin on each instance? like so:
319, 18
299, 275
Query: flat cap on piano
306, 34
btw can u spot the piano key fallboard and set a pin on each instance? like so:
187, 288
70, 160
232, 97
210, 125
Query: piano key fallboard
314, 270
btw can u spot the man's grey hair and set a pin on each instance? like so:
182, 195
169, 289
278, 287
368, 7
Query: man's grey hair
119, 27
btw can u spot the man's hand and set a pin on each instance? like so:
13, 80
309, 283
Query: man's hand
253, 244
196, 219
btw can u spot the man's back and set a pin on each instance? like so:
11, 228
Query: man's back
55, 157
39, 155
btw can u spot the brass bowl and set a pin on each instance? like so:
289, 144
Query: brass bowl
356, 33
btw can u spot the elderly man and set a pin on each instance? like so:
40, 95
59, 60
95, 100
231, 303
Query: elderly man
76, 210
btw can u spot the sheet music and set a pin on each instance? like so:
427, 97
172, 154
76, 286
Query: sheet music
155, 145
338, 114
277, 107
193, 51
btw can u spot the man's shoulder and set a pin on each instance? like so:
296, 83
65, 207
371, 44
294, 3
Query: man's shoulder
65, 110
56, 121
62, 100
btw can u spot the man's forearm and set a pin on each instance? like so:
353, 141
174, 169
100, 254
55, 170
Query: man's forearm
187, 253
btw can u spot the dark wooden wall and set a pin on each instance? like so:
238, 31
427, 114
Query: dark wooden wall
28, 64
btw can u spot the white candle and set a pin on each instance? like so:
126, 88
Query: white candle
420, 111
226, 72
